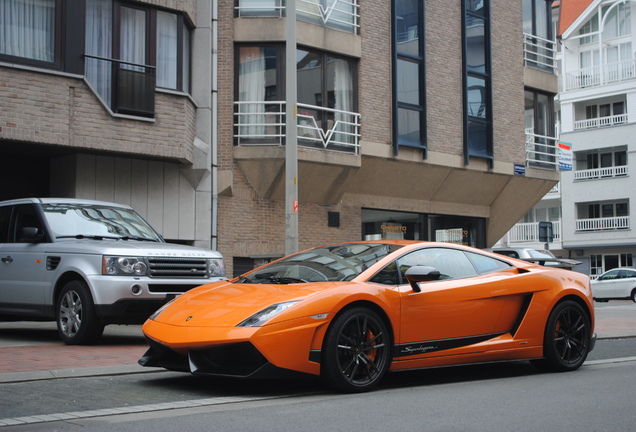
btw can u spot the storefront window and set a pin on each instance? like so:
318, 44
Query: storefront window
395, 225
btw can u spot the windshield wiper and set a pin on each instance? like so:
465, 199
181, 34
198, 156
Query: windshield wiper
138, 238
285, 280
88, 236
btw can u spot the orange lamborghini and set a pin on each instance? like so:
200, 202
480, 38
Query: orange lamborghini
351, 312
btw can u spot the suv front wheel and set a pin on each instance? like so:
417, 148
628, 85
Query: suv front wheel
77, 322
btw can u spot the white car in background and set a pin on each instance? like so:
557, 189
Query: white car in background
615, 284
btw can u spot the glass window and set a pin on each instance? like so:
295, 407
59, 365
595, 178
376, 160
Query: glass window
258, 83
452, 264
326, 81
407, 27
331, 13
121, 66
408, 83
167, 50
478, 92
409, 78
485, 264
475, 44
28, 29
5, 213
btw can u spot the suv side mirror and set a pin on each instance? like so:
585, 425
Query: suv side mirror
418, 274
30, 235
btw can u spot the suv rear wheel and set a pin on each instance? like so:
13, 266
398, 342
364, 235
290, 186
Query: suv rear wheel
77, 322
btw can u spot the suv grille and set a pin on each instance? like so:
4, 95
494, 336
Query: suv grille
178, 267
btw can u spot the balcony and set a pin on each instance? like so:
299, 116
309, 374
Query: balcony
541, 151
539, 53
125, 88
602, 224
595, 76
601, 122
341, 14
263, 123
528, 232
601, 173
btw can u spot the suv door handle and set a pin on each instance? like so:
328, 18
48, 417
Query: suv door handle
7, 259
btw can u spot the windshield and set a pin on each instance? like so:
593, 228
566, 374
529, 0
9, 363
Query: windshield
541, 254
330, 263
79, 220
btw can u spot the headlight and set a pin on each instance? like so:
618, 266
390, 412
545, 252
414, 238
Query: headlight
127, 266
216, 267
260, 318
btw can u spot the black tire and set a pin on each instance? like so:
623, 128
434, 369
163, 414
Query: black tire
566, 339
633, 297
77, 322
356, 351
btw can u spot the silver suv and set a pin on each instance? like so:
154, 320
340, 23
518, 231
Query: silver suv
86, 264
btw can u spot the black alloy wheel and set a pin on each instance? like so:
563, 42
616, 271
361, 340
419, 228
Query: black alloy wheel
77, 321
357, 351
567, 338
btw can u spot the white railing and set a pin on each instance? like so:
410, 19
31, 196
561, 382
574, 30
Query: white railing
601, 122
539, 52
556, 189
263, 123
541, 150
528, 232
596, 173
340, 14
602, 224
594, 76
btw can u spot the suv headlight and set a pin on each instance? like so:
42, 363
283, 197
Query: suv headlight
216, 267
126, 266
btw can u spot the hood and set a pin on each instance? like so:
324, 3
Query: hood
226, 304
128, 247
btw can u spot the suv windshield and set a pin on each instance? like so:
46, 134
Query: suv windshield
329, 263
78, 220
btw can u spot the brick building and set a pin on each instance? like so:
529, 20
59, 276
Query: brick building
101, 99
429, 142
411, 119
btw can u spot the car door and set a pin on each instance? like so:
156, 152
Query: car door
457, 311
625, 283
22, 264
606, 285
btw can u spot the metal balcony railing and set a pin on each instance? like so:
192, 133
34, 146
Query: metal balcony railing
539, 53
601, 122
126, 88
541, 151
263, 123
528, 232
601, 173
596, 75
339, 14
602, 224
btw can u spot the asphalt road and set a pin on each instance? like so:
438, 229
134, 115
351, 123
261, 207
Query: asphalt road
108, 398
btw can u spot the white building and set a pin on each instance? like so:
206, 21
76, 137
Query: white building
593, 207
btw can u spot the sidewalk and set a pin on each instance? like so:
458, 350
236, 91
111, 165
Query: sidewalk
33, 351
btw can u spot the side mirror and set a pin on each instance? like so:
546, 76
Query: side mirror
30, 235
418, 274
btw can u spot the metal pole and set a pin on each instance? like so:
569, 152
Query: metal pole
291, 139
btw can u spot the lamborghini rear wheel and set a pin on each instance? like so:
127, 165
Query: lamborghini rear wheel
356, 351
566, 339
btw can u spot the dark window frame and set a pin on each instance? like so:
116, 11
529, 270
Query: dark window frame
418, 59
58, 56
486, 75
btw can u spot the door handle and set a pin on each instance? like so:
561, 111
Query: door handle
7, 259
